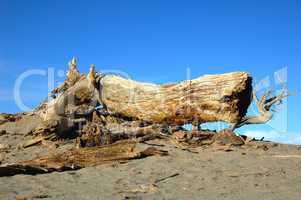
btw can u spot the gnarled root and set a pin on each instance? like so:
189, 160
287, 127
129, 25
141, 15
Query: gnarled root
265, 108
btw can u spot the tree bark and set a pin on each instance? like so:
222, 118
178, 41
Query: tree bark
210, 98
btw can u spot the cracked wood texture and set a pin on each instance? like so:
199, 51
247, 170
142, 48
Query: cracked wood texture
209, 98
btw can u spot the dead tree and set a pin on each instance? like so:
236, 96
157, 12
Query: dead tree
209, 98
224, 97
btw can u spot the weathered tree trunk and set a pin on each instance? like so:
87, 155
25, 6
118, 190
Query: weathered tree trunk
224, 97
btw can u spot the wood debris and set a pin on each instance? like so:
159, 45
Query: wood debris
107, 115
80, 158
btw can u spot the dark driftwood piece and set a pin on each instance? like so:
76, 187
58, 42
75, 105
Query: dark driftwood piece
79, 158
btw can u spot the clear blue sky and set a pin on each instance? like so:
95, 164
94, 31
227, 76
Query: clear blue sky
152, 41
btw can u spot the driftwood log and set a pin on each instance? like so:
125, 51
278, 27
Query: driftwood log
224, 97
108, 115
209, 98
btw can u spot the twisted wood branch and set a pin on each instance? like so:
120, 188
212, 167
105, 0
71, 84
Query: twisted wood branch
265, 107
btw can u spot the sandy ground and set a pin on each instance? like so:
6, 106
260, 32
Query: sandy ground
244, 173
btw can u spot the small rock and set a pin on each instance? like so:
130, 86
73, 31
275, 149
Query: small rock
226, 137
265, 148
41, 196
3, 132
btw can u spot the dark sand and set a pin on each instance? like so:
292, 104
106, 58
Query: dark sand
245, 173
